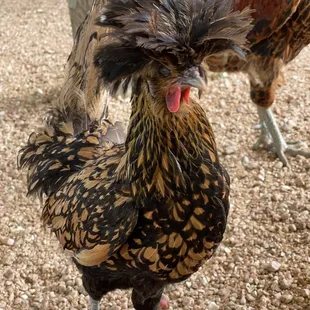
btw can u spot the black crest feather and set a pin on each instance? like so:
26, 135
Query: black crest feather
144, 30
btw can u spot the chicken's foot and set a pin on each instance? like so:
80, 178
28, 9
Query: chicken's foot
164, 302
94, 304
272, 139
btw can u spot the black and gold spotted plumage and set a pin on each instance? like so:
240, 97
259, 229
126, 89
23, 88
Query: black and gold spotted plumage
149, 210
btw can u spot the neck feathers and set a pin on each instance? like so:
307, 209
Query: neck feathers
163, 149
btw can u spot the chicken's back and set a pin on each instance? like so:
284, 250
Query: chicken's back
287, 42
269, 16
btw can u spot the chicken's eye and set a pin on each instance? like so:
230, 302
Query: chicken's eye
164, 71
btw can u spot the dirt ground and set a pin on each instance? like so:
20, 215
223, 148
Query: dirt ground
264, 262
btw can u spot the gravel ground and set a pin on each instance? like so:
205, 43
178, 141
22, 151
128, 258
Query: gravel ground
264, 261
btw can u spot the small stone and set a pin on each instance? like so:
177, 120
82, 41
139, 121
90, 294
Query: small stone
188, 284
292, 228
285, 283
45, 268
9, 274
249, 297
242, 300
224, 292
7, 241
248, 164
285, 188
306, 292
222, 103
204, 281
285, 216
276, 197
279, 165
299, 182
213, 306
229, 150
299, 300
245, 160
62, 288
286, 299
261, 177
10, 242
188, 301
39, 91
274, 266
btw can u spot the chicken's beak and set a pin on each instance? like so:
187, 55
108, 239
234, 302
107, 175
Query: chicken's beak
193, 78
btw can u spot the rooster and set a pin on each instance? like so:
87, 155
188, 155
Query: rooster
150, 210
281, 30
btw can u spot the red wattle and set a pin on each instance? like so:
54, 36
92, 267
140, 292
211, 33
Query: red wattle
186, 94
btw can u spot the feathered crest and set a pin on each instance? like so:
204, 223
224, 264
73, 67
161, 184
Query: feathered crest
144, 30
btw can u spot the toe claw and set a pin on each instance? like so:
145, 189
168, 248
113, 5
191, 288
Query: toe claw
294, 152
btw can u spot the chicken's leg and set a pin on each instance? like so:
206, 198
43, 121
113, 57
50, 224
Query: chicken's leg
94, 304
272, 139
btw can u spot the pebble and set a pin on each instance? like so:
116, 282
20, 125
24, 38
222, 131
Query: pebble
306, 292
279, 165
7, 241
292, 228
213, 306
40, 91
285, 283
286, 299
299, 182
222, 103
229, 150
62, 287
24, 296
285, 188
248, 164
274, 266
261, 177
9, 274
188, 301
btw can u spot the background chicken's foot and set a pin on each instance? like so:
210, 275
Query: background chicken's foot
264, 139
272, 139
94, 304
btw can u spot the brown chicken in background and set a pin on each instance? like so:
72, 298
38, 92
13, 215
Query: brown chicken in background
281, 30
149, 211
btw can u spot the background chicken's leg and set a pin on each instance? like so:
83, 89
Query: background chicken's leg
270, 129
265, 77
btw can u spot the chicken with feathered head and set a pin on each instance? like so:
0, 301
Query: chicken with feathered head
152, 209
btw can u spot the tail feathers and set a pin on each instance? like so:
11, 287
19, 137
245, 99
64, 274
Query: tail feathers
54, 155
